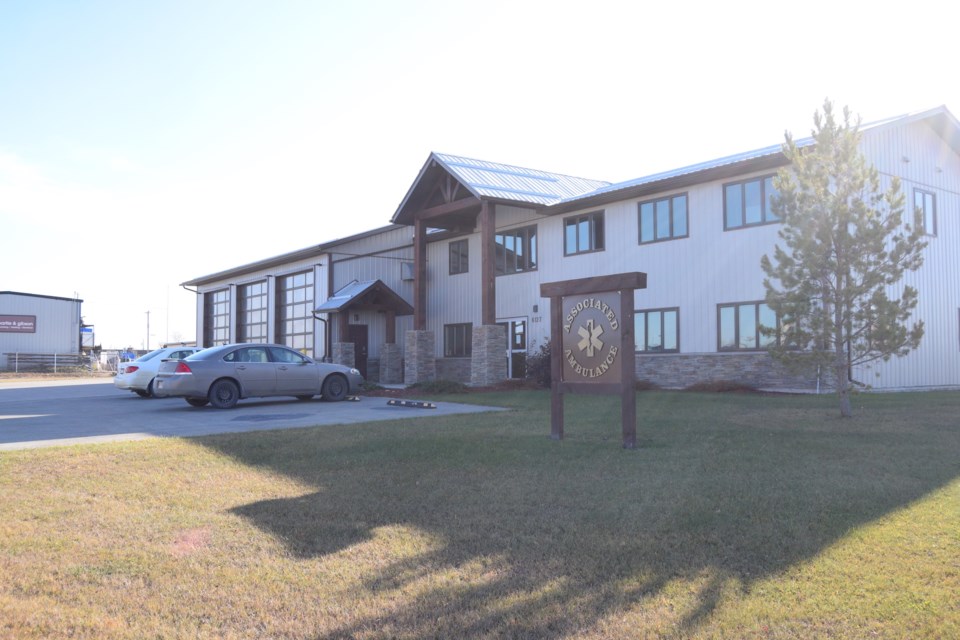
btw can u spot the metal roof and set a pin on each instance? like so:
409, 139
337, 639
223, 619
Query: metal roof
940, 117
348, 295
313, 251
506, 182
37, 295
738, 158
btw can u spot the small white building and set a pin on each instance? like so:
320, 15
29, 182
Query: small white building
38, 325
486, 235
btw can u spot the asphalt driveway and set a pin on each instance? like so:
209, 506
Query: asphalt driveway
71, 412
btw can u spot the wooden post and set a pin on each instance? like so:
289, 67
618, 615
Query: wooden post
556, 370
628, 392
488, 275
419, 275
391, 337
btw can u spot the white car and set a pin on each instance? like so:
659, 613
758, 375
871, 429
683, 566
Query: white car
137, 376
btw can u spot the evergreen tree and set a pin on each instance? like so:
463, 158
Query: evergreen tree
835, 281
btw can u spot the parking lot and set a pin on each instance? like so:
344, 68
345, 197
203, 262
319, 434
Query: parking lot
64, 413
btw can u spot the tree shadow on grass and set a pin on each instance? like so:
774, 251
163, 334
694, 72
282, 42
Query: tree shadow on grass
530, 538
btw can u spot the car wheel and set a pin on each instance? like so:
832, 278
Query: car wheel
149, 390
304, 398
142, 393
224, 394
335, 388
197, 402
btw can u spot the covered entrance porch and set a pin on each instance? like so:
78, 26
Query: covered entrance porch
346, 311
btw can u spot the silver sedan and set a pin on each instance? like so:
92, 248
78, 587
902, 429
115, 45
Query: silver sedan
223, 375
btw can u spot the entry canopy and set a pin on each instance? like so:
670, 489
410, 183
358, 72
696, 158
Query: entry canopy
368, 295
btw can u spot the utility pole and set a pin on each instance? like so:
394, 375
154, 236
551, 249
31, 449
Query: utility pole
148, 331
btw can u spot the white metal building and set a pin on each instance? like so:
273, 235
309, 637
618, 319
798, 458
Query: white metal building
37, 324
472, 241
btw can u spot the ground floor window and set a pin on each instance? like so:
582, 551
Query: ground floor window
746, 326
657, 330
457, 340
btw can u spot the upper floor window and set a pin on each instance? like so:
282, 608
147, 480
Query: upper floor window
457, 340
657, 330
925, 204
583, 233
663, 219
747, 326
516, 250
747, 203
459, 257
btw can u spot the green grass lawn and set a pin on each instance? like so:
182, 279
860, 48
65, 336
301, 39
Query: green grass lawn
740, 516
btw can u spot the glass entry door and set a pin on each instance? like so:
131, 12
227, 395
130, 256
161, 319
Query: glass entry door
516, 346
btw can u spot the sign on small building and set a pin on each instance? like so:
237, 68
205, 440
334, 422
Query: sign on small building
592, 344
18, 324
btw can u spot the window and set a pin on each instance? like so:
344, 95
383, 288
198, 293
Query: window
459, 258
663, 219
250, 354
657, 330
287, 356
295, 311
740, 327
747, 203
252, 312
582, 234
457, 340
926, 208
515, 251
216, 318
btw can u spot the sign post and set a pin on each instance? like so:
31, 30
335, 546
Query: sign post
592, 344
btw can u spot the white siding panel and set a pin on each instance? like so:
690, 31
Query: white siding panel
452, 299
932, 166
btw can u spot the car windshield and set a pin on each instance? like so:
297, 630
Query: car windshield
150, 356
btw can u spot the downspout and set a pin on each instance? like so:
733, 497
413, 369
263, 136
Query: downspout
326, 336
198, 340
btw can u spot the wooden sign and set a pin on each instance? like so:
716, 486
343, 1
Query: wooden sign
592, 344
591, 337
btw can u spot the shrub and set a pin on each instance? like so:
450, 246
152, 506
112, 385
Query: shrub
646, 385
721, 386
439, 386
538, 366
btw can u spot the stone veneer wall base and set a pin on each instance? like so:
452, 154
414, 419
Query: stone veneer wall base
420, 364
391, 364
488, 362
757, 369
344, 353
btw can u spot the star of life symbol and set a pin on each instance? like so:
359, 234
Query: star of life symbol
591, 342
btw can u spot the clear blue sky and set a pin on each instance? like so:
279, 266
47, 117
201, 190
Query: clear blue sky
146, 144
